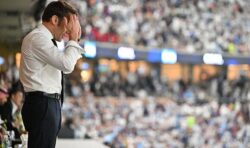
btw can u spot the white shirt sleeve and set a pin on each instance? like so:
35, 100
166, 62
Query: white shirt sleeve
45, 51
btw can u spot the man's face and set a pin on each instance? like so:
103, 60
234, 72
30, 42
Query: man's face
18, 98
3, 98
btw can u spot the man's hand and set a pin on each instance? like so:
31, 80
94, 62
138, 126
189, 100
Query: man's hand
80, 32
74, 28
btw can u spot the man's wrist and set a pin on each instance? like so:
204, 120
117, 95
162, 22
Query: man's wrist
73, 39
75, 45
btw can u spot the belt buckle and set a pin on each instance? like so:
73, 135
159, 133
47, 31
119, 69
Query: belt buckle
57, 96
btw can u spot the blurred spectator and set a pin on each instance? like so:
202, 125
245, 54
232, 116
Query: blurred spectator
11, 110
66, 130
3, 94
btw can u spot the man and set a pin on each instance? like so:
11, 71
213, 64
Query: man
3, 95
3, 99
10, 111
40, 72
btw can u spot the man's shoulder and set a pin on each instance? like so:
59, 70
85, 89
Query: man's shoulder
8, 105
6, 108
35, 34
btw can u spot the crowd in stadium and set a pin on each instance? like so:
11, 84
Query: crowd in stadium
219, 26
174, 116
146, 110
137, 84
153, 123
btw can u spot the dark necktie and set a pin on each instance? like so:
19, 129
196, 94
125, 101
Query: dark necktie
62, 91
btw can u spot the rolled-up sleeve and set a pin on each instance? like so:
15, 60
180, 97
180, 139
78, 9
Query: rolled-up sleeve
47, 52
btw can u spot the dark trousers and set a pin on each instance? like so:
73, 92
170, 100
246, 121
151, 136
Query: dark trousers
42, 119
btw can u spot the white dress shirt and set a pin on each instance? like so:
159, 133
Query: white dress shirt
42, 62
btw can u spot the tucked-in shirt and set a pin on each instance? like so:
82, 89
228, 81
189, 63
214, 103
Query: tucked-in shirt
42, 62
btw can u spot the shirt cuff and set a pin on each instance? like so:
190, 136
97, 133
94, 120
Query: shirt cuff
72, 43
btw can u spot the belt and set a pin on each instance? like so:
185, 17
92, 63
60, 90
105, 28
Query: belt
54, 96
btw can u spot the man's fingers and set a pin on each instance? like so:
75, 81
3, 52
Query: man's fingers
74, 28
79, 32
70, 26
72, 18
65, 20
72, 22
75, 16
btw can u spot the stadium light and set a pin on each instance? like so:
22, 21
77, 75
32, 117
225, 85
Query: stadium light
154, 55
84, 66
168, 56
232, 62
1, 60
213, 59
126, 53
90, 49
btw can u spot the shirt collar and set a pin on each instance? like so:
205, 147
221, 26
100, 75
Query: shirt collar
14, 107
46, 31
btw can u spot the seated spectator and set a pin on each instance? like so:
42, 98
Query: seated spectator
3, 99
3, 95
67, 131
10, 111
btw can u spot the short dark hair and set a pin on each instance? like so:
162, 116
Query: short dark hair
59, 8
16, 87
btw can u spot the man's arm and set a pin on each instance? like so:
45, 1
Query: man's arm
45, 51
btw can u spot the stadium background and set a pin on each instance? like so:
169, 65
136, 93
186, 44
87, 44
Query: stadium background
157, 73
